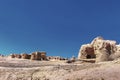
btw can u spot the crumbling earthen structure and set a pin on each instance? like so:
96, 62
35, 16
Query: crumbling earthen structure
55, 58
38, 56
86, 52
15, 55
33, 56
25, 56
12, 55
73, 59
102, 50
18, 56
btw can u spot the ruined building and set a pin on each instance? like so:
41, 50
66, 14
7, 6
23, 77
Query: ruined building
55, 58
25, 56
33, 56
100, 49
38, 56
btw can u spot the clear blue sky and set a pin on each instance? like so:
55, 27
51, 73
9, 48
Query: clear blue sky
58, 27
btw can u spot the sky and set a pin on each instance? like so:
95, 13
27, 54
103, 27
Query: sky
58, 27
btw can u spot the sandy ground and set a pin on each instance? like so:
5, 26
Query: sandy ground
20, 69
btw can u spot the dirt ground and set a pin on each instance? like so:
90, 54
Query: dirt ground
21, 69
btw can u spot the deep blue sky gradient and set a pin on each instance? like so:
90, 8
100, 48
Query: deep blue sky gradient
58, 27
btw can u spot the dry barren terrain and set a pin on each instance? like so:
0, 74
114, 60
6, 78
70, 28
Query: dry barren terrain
21, 69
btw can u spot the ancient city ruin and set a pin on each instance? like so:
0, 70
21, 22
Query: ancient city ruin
100, 50
37, 56
32, 56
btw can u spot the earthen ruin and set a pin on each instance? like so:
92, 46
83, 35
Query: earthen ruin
38, 56
33, 56
100, 50
55, 58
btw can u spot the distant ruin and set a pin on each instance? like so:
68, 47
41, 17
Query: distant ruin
100, 50
32, 56
55, 58
38, 56
42, 56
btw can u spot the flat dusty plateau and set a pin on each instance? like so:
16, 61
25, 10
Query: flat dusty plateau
21, 69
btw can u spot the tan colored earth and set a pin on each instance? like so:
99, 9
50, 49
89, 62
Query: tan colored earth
21, 69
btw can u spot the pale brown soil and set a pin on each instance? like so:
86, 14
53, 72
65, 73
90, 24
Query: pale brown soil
20, 69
